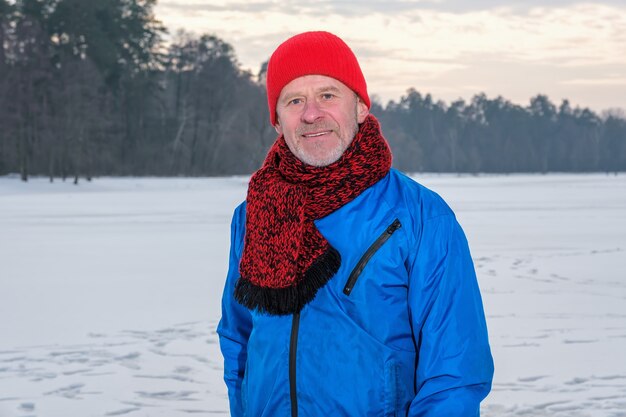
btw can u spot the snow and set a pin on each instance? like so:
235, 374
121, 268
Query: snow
110, 292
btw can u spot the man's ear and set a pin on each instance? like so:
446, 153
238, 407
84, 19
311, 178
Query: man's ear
361, 110
278, 128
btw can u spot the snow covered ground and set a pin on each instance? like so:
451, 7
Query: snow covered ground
110, 290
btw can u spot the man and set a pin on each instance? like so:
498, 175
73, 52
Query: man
351, 291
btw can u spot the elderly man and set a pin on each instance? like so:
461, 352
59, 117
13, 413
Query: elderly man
351, 290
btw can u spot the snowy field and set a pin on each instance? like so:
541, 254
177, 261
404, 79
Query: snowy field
110, 291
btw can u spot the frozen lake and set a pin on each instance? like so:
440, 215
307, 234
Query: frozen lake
110, 292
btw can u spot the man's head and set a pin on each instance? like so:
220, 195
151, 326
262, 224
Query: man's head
317, 96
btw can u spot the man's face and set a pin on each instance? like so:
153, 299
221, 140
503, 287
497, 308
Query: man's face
319, 117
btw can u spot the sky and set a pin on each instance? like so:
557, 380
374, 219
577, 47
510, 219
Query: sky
449, 48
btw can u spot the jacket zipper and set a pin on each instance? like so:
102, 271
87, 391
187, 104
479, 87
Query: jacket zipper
293, 346
354, 275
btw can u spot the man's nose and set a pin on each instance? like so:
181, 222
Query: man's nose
311, 112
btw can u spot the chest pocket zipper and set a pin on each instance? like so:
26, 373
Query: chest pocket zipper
380, 241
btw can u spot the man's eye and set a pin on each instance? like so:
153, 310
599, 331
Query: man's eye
327, 96
295, 101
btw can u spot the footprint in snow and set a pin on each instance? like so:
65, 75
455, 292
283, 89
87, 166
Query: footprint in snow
168, 395
572, 341
576, 381
532, 378
27, 407
122, 411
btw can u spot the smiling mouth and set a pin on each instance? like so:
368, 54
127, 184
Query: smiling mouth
316, 134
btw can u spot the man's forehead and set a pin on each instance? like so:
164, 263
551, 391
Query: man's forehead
315, 83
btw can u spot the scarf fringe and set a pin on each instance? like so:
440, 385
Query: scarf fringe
289, 300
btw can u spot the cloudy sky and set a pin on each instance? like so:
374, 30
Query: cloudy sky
449, 48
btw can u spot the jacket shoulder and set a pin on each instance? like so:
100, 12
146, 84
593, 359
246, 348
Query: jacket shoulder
419, 202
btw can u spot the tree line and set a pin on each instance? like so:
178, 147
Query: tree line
495, 135
92, 88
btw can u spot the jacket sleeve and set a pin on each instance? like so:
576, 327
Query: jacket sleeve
455, 368
236, 322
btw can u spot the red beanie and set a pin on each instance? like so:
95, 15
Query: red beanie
313, 53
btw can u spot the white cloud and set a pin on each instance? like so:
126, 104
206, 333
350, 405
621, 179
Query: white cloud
597, 81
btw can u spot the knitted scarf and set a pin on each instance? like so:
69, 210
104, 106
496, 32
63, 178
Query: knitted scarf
285, 258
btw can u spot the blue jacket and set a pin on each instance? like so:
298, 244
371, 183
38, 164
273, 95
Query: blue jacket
398, 331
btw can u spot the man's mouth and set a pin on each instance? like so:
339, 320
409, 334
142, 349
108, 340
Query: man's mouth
316, 134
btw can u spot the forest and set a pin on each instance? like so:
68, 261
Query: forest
93, 88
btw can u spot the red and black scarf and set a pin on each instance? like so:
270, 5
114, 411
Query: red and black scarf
285, 258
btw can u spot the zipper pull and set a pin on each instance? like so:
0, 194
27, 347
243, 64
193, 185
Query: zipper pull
394, 226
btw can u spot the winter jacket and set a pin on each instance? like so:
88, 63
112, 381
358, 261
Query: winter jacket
398, 331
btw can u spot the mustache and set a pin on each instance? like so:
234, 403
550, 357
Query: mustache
315, 127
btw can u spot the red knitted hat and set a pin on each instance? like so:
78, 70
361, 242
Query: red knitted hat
309, 53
